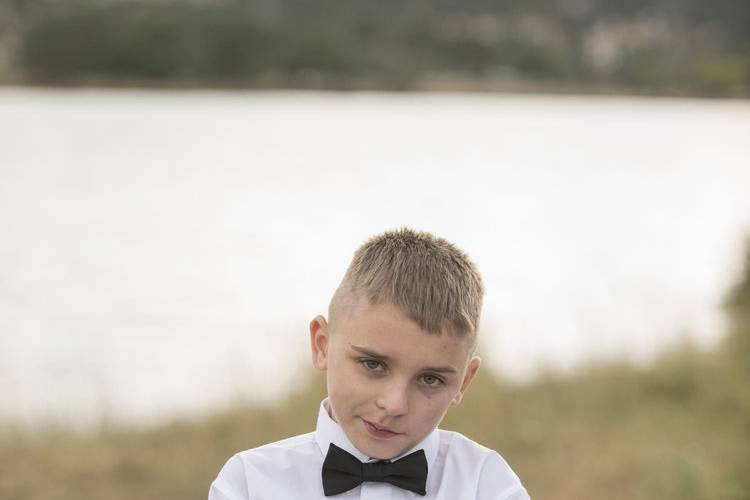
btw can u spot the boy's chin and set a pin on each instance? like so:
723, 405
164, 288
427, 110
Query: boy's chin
381, 454
382, 450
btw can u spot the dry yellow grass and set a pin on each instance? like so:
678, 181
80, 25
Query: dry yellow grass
678, 430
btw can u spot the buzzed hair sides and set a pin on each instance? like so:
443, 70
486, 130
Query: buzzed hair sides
427, 277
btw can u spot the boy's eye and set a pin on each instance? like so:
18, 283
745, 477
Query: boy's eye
371, 364
432, 380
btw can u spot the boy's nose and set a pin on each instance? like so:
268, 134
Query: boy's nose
394, 400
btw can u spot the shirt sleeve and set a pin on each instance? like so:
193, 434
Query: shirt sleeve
230, 484
497, 481
214, 493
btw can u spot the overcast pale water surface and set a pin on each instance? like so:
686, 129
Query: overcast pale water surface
162, 253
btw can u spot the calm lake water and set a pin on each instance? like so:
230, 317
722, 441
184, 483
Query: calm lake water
161, 253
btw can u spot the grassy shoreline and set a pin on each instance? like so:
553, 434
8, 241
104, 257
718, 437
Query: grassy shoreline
676, 429
437, 85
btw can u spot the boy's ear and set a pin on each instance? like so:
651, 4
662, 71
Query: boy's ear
471, 371
319, 342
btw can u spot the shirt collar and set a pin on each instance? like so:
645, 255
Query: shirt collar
328, 431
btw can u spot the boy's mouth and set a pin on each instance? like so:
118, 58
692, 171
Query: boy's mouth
378, 431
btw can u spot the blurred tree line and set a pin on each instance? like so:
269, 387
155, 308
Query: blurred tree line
656, 46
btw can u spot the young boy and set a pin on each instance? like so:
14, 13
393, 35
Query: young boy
398, 351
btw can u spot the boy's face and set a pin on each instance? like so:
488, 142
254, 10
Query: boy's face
389, 382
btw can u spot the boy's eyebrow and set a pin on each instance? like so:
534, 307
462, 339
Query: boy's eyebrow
373, 354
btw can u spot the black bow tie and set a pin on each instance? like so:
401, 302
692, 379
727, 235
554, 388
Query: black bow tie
342, 471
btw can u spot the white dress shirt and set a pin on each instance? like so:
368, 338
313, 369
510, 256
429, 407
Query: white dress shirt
290, 469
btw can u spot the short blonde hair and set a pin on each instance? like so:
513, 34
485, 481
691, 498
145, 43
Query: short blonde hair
427, 277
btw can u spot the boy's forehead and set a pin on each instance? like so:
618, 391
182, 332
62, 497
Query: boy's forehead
385, 331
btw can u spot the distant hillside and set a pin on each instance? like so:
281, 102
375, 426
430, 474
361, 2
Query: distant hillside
672, 47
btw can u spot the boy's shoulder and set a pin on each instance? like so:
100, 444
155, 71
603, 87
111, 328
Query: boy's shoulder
271, 454
269, 462
456, 443
302, 443
492, 471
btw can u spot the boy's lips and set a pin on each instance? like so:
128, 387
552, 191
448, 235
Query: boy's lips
377, 430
